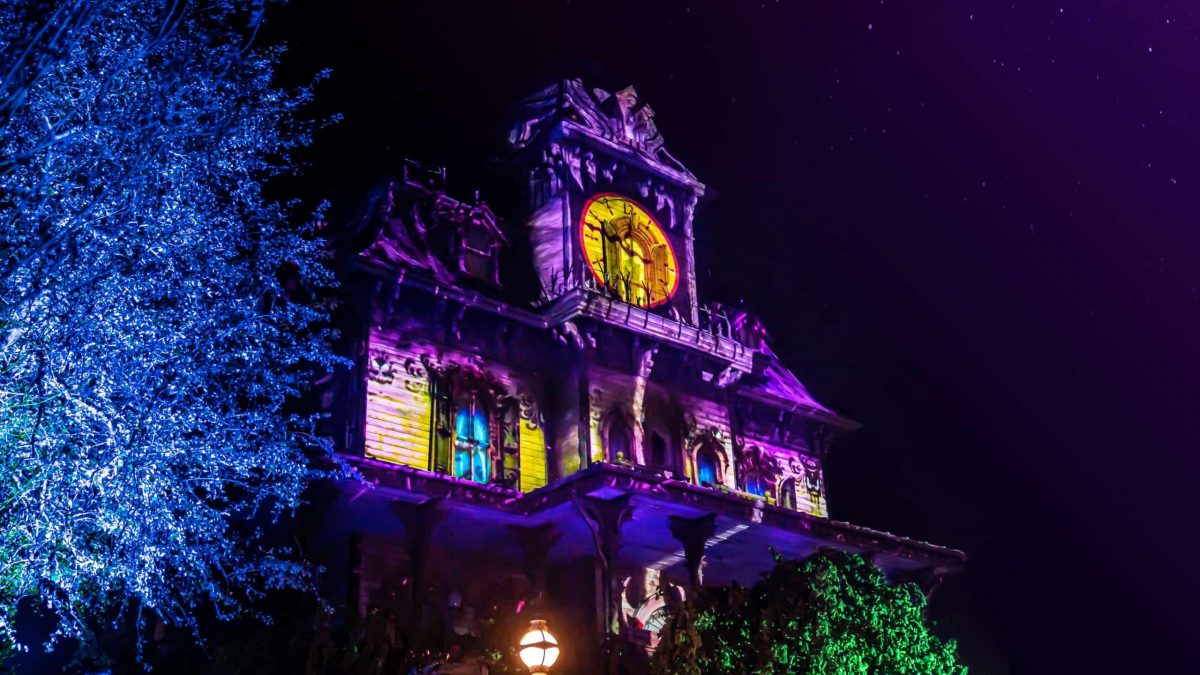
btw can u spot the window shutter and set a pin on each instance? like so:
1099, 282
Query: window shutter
510, 445
660, 273
443, 415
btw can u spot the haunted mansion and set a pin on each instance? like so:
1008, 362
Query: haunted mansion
581, 445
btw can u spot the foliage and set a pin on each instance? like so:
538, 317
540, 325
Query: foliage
152, 333
306, 640
831, 614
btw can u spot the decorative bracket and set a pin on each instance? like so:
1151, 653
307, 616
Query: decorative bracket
694, 534
535, 543
604, 518
728, 377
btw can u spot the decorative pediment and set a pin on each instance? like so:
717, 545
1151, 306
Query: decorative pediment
620, 117
409, 222
464, 214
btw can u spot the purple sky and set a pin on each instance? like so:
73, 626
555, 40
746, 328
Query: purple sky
972, 226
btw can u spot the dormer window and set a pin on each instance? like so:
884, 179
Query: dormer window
474, 237
478, 254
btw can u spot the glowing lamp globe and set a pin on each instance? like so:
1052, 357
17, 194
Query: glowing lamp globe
538, 648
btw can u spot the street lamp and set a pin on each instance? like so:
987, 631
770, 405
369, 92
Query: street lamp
538, 648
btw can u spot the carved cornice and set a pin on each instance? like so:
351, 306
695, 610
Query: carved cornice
617, 120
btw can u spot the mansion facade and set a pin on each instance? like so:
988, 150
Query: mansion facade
569, 433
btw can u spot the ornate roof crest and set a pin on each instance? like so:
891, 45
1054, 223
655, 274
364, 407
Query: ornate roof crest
619, 117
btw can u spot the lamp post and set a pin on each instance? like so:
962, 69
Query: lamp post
538, 649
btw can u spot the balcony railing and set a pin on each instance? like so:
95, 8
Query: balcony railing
589, 299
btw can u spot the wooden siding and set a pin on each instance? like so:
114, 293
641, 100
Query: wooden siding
399, 408
712, 416
800, 467
610, 389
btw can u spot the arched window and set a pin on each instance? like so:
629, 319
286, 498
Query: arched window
787, 493
754, 486
658, 450
471, 440
708, 465
618, 439
751, 470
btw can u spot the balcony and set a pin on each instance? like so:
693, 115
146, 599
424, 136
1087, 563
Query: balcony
593, 303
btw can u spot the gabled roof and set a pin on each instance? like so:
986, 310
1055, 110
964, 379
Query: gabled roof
779, 382
778, 387
618, 117
397, 220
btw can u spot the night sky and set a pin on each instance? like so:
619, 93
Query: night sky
971, 226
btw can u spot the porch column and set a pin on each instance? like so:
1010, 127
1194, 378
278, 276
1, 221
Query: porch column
419, 521
929, 581
535, 543
604, 518
694, 534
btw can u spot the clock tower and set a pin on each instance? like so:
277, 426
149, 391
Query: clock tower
611, 209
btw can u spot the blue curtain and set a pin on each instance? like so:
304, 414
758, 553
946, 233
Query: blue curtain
470, 445
706, 467
754, 487
462, 426
481, 429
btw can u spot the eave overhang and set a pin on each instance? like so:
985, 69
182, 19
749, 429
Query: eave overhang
808, 411
756, 524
